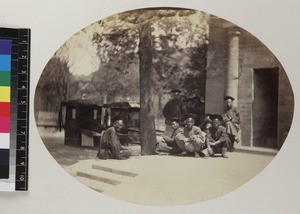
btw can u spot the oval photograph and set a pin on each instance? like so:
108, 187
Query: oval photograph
163, 106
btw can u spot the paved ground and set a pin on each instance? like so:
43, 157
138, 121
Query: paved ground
156, 180
68, 155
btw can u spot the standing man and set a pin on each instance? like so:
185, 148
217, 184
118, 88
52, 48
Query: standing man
192, 139
217, 139
173, 108
232, 120
194, 106
199, 108
110, 145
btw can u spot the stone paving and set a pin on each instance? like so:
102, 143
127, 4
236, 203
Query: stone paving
157, 179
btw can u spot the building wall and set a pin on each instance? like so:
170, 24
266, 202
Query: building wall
286, 107
216, 67
252, 55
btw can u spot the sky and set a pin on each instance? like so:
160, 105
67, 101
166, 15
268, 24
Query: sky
80, 52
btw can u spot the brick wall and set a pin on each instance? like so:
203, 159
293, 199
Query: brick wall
216, 67
286, 107
253, 55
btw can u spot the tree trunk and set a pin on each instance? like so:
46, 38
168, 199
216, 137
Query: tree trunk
147, 122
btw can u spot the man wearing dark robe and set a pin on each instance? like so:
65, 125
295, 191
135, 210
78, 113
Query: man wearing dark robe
199, 108
173, 108
110, 145
217, 139
193, 106
232, 120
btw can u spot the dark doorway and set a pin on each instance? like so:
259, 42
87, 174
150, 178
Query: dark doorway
265, 107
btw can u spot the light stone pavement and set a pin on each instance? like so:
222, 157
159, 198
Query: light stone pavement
157, 179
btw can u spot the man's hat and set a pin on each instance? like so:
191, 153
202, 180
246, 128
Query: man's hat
190, 116
189, 100
177, 119
116, 119
228, 97
207, 114
216, 116
175, 90
197, 98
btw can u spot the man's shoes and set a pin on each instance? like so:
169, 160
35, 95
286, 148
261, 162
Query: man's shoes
197, 155
203, 155
183, 153
224, 156
231, 149
236, 140
102, 154
161, 153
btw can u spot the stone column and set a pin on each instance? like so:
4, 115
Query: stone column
232, 75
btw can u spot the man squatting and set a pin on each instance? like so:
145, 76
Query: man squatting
110, 145
190, 139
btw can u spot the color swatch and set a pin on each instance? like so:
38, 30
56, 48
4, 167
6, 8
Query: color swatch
5, 97
14, 108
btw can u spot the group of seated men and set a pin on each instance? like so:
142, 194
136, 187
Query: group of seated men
216, 134
190, 139
184, 140
182, 137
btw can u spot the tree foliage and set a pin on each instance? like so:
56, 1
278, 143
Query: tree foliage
118, 72
56, 84
179, 42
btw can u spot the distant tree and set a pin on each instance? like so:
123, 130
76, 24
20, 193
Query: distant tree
180, 53
55, 85
109, 83
118, 71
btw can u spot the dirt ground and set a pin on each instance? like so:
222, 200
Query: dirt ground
68, 155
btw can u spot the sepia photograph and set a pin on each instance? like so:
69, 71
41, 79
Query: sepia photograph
163, 106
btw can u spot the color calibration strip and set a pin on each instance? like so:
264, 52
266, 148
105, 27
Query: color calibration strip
15, 88
5, 74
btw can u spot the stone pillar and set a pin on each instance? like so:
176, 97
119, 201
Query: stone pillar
232, 75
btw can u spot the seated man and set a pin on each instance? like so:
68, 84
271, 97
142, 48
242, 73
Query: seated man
217, 139
232, 121
173, 108
110, 146
168, 144
192, 139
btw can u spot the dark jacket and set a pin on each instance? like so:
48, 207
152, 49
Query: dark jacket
110, 144
173, 108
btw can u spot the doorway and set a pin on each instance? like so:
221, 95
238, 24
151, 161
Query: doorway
265, 107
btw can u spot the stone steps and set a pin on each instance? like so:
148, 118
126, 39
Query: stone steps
94, 176
101, 178
115, 171
97, 186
